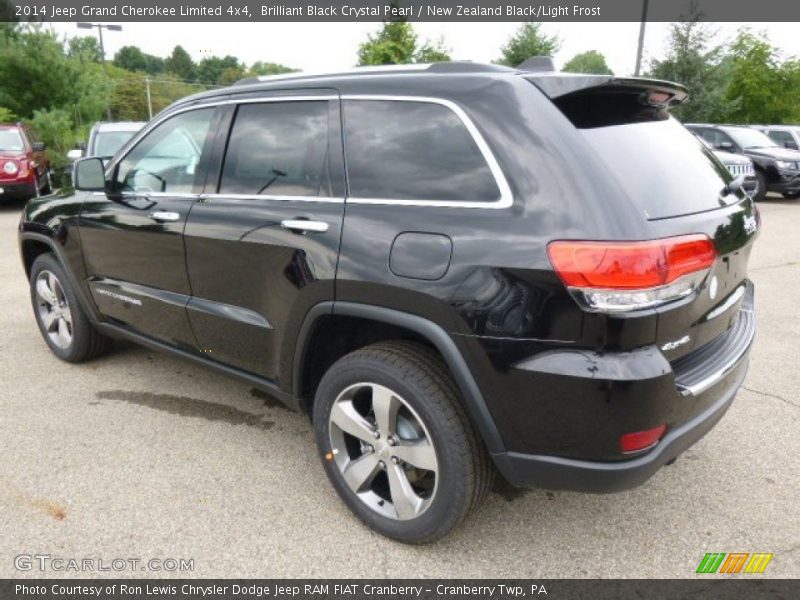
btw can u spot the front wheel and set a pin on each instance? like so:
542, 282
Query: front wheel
396, 443
791, 195
64, 326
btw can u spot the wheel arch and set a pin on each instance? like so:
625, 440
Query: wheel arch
412, 327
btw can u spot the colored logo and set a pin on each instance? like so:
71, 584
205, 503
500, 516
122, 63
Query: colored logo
734, 562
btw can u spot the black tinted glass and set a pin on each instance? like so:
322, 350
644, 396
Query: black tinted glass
279, 149
415, 151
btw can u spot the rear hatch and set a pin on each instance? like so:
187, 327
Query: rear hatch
678, 184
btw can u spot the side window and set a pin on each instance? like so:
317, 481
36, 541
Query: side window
413, 151
780, 137
279, 149
166, 159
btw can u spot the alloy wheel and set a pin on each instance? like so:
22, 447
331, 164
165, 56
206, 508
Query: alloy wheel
54, 310
383, 451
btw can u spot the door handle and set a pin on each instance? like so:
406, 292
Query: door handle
164, 215
303, 225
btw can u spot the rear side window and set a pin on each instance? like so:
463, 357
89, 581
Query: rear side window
408, 150
781, 137
279, 149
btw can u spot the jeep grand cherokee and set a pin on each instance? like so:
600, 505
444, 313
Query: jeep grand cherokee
453, 269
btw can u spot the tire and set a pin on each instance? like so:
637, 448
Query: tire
761, 189
454, 473
791, 195
64, 326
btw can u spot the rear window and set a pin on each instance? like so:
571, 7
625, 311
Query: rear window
408, 150
661, 165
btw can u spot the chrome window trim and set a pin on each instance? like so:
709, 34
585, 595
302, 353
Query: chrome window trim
504, 201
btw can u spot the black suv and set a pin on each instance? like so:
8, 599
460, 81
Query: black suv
777, 167
452, 269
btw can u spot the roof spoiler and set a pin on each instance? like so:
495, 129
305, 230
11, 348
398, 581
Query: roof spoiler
655, 92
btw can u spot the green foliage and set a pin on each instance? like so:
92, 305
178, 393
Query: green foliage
85, 49
703, 68
761, 89
527, 41
56, 130
7, 116
267, 68
396, 44
590, 61
210, 70
180, 63
433, 52
133, 59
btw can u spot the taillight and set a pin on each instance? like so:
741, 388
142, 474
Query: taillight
615, 276
641, 440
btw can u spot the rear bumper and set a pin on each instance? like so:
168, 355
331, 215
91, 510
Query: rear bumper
552, 472
690, 396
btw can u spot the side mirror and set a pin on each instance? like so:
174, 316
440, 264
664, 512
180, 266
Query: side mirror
89, 175
790, 145
725, 146
38, 146
74, 154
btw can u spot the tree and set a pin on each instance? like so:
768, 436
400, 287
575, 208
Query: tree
761, 88
210, 70
527, 41
590, 61
268, 68
396, 44
132, 58
84, 48
180, 64
701, 67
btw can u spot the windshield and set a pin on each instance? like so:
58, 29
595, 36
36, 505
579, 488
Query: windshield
10, 139
750, 138
107, 143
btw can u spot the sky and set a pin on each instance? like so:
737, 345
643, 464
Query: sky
332, 46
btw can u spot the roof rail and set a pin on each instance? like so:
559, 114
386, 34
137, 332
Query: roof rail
536, 64
437, 67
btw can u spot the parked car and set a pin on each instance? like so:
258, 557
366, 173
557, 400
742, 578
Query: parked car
737, 165
787, 136
106, 138
24, 164
536, 273
777, 168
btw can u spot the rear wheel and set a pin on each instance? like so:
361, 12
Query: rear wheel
396, 443
761, 187
64, 326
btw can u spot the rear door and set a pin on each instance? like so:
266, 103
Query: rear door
132, 240
262, 244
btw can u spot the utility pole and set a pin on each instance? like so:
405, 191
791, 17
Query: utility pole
100, 28
149, 100
640, 49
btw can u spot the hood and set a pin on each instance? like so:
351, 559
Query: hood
11, 154
775, 152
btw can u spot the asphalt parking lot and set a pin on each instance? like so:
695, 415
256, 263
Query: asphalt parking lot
139, 455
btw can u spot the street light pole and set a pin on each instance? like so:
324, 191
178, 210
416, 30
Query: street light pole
640, 49
100, 28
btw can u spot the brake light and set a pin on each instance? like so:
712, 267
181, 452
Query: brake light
641, 440
608, 276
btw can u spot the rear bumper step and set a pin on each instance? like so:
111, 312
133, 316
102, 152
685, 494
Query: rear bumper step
703, 368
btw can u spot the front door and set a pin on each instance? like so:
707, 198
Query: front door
262, 244
132, 239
